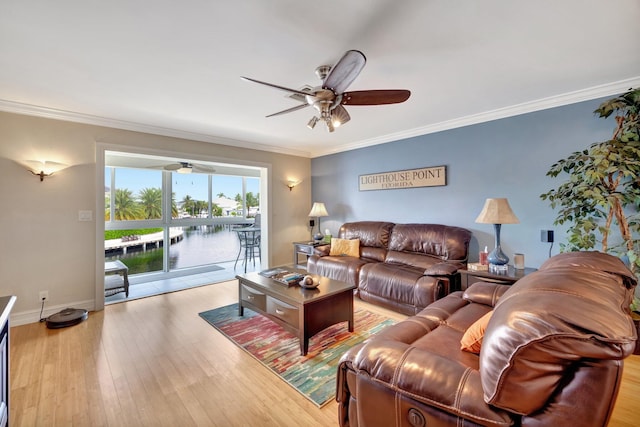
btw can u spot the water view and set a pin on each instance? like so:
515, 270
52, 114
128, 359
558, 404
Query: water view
198, 246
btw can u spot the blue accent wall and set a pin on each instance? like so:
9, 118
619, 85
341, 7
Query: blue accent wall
503, 158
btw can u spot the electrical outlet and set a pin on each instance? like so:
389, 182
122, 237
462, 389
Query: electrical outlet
546, 236
44, 295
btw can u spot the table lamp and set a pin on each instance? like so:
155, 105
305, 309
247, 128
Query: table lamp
497, 212
318, 210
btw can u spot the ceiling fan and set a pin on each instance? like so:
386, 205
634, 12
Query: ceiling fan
329, 98
186, 167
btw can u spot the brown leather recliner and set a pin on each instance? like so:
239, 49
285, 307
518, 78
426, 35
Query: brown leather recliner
404, 267
552, 353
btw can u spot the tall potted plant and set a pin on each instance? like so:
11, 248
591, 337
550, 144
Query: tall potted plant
601, 198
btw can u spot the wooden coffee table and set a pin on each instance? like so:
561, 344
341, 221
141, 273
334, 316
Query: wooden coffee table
303, 312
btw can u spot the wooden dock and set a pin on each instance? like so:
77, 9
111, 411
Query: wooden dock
143, 242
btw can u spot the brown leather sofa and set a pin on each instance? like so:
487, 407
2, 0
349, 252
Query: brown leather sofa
404, 267
552, 354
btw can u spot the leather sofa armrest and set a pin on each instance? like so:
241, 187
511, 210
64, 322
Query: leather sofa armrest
322, 250
487, 293
443, 269
422, 376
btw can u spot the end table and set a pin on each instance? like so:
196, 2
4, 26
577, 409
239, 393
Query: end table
509, 277
304, 248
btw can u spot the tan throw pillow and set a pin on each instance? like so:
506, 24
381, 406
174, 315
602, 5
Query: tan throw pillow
345, 247
472, 339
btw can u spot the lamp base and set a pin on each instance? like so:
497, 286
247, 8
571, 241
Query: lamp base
497, 257
498, 269
318, 236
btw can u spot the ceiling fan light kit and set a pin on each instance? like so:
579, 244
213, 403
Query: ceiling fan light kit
312, 122
186, 167
329, 98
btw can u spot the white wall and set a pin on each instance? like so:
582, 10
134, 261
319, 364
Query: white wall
43, 246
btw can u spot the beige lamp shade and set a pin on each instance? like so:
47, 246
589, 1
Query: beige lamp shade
318, 210
497, 211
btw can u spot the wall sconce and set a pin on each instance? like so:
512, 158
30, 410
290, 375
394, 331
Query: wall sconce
292, 183
44, 168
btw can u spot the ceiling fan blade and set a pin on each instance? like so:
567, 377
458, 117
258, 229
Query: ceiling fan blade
172, 167
289, 110
286, 89
375, 97
345, 71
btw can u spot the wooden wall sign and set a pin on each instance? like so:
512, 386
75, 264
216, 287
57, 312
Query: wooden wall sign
411, 178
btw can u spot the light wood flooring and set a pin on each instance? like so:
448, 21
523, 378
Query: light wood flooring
155, 362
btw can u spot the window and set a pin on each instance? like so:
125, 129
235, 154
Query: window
191, 194
137, 194
159, 220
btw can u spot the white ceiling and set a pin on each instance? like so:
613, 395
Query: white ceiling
174, 67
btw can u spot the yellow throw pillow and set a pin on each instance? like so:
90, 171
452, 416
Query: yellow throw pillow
472, 339
345, 247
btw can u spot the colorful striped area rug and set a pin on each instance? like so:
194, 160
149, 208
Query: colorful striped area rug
313, 375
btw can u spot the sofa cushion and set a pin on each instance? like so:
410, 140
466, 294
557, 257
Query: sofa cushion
373, 236
342, 268
439, 241
472, 339
542, 326
439, 328
345, 247
399, 287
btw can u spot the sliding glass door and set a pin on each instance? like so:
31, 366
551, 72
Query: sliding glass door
161, 220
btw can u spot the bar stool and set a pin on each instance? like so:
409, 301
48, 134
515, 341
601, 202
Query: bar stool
249, 242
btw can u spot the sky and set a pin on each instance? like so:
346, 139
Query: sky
194, 184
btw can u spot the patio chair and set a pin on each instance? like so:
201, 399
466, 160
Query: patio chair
249, 238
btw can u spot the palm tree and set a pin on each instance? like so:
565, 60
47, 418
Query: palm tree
201, 206
126, 206
107, 207
238, 199
174, 206
188, 204
151, 202
252, 201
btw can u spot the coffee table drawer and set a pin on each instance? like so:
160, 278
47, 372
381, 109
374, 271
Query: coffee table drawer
283, 311
253, 297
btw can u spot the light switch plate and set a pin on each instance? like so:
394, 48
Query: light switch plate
85, 215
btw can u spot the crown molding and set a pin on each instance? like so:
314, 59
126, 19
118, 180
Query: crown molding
594, 92
588, 94
70, 116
